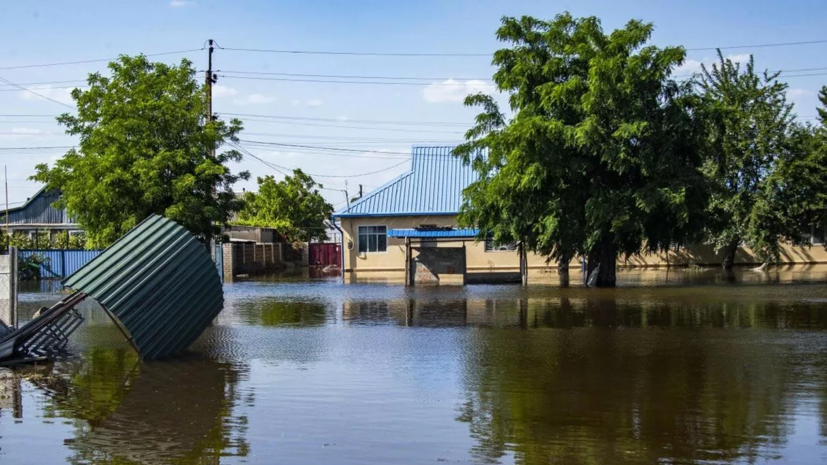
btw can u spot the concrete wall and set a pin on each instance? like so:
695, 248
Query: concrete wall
8, 288
391, 264
249, 258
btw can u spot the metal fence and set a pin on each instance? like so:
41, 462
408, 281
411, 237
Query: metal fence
60, 263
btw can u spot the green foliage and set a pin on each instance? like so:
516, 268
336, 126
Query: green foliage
602, 154
754, 169
293, 206
144, 148
45, 240
28, 268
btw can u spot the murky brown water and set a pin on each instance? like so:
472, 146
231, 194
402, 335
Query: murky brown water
683, 368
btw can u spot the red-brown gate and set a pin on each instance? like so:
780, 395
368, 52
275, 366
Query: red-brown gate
325, 254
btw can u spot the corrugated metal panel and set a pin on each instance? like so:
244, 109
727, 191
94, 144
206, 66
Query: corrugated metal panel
159, 281
38, 210
413, 233
433, 187
60, 263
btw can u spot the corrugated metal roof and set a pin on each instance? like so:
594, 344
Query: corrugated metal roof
413, 233
38, 210
159, 281
433, 187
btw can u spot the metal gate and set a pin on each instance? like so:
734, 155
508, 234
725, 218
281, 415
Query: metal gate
325, 254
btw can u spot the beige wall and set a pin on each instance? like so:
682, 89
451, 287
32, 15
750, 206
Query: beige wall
391, 264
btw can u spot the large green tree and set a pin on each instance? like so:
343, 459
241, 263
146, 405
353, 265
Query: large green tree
754, 168
293, 206
601, 156
144, 147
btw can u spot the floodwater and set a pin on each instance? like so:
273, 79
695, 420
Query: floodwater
686, 367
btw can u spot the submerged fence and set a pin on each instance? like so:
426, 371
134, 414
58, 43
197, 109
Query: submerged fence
57, 264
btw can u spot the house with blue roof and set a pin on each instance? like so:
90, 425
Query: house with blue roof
407, 229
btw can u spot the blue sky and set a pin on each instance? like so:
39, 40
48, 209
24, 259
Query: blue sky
39, 32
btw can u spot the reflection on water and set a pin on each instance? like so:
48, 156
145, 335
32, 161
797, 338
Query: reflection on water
314, 371
140, 413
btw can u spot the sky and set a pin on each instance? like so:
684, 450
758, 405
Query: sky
345, 129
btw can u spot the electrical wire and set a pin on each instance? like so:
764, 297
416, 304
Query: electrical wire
488, 54
346, 76
779, 44
46, 82
331, 81
49, 147
355, 121
96, 60
378, 54
406, 130
35, 93
279, 144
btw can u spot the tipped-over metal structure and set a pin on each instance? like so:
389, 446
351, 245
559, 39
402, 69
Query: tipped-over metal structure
157, 282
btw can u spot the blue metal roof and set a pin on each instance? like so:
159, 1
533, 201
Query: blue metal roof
433, 187
414, 233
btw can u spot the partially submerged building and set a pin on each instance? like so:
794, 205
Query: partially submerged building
407, 230
413, 219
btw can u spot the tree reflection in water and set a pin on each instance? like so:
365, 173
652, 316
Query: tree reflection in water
617, 389
173, 411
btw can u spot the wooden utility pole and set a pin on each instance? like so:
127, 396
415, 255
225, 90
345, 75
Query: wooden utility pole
6, 180
209, 80
360, 191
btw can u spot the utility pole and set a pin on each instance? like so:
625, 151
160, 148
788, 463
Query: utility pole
209, 80
360, 191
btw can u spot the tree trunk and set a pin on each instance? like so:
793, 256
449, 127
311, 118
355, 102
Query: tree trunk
603, 259
729, 258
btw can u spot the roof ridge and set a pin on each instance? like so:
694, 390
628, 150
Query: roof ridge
376, 191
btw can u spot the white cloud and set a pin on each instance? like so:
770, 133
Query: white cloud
181, 3
219, 91
296, 102
694, 66
61, 95
316, 102
254, 99
742, 58
342, 118
452, 90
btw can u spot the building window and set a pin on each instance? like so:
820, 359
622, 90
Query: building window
491, 246
373, 239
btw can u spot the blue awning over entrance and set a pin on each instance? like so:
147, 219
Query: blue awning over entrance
435, 233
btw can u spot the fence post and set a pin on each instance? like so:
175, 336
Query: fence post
62, 263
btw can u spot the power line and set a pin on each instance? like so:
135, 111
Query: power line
46, 82
96, 60
346, 76
49, 147
379, 54
279, 144
779, 44
331, 81
406, 130
355, 121
35, 93
488, 54
323, 151
29, 115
